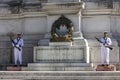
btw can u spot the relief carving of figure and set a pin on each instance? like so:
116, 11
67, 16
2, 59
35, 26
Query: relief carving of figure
62, 30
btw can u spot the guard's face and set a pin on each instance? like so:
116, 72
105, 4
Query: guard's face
105, 34
19, 35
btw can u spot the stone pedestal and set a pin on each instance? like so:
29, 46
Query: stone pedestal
76, 51
12, 68
59, 54
62, 52
105, 68
54, 44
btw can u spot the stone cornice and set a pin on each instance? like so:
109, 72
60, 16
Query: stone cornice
35, 14
63, 6
48, 9
45, 13
96, 12
22, 15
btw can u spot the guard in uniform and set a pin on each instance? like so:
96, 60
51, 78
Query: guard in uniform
106, 41
18, 43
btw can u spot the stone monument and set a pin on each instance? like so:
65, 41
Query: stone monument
63, 48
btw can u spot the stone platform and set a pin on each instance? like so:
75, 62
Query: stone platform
105, 68
60, 75
12, 67
58, 67
60, 54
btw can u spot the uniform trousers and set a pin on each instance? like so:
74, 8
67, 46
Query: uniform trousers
105, 54
17, 55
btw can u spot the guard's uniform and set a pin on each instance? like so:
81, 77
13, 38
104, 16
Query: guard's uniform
18, 53
104, 50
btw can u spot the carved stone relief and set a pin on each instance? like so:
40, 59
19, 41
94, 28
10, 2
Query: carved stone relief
62, 30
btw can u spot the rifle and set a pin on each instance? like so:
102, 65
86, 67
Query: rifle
102, 42
14, 44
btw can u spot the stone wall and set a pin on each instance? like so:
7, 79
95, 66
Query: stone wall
101, 18
96, 18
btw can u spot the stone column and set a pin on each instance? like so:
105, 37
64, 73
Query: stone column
78, 29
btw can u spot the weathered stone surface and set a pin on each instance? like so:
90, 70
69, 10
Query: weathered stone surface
58, 67
55, 44
59, 54
60, 75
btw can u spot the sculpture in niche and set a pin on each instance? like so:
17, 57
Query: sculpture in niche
62, 30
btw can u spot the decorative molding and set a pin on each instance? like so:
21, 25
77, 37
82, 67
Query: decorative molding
70, 5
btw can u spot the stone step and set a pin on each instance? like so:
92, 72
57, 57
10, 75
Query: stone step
60, 75
63, 78
61, 64
58, 67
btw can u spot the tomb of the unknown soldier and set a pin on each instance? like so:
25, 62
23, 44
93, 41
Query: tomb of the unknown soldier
59, 39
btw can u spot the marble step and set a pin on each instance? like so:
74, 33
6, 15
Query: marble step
61, 64
63, 78
58, 67
60, 75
